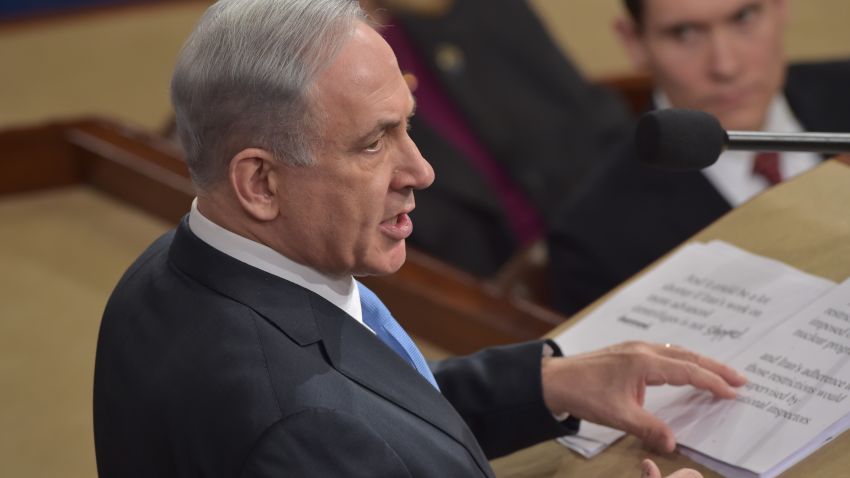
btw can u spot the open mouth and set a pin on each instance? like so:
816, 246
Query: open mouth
398, 227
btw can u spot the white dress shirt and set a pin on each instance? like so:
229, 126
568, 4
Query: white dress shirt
341, 292
732, 174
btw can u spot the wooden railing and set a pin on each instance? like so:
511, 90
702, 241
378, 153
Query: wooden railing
433, 300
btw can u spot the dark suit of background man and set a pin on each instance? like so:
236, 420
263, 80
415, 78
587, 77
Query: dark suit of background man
506, 120
240, 344
725, 57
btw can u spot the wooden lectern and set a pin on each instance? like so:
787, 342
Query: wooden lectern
804, 222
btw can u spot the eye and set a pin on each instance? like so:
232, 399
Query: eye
684, 33
376, 146
747, 15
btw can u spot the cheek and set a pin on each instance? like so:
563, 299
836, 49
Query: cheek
324, 216
674, 67
768, 61
382, 257
682, 80
766, 73
377, 252
358, 213
765, 47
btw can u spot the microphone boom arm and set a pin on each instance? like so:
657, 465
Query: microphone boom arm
825, 143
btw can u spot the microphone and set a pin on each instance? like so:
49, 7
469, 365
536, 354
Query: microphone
685, 140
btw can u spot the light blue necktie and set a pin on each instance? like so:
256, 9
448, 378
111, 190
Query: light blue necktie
379, 319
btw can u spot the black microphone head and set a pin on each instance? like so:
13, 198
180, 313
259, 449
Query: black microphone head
679, 139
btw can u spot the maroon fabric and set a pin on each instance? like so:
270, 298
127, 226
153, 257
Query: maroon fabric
435, 108
766, 165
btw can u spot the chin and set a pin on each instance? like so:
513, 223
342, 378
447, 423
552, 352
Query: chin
741, 120
745, 124
388, 262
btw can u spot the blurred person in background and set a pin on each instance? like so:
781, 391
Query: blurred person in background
506, 120
725, 57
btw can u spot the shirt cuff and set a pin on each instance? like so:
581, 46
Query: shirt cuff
551, 349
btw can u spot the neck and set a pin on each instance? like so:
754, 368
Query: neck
226, 213
221, 211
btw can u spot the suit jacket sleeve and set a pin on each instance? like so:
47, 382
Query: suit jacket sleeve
499, 394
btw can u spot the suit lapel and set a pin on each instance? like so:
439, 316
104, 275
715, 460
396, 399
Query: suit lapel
270, 296
361, 356
307, 318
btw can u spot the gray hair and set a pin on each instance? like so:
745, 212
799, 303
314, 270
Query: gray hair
244, 77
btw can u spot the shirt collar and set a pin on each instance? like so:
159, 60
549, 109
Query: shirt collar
731, 175
341, 292
780, 118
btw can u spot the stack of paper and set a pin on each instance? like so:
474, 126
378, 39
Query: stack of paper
787, 331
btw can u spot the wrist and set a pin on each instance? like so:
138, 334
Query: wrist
548, 366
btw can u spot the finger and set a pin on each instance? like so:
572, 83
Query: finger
685, 473
650, 430
649, 469
670, 371
729, 374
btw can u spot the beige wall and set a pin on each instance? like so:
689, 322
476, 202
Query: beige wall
116, 64
119, 64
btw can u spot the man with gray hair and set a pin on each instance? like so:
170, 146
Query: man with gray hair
240, 343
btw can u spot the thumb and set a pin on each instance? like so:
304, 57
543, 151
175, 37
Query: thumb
652, 431
648, 469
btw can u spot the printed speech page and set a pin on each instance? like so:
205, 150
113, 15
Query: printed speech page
795, 401
714, 299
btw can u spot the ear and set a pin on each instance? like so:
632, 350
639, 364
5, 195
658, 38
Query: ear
253, 175
633, 41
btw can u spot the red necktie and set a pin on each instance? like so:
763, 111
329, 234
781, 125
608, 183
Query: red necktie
766, 165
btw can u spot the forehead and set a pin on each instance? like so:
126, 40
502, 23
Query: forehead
364, 58
667, 12
363, 78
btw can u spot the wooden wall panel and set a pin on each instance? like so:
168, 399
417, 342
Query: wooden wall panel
36, 158
139, 170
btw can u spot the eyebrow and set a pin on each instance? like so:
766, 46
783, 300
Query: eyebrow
672, 27
386, 124
754, 6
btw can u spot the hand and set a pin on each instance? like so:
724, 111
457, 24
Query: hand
608, 386
650, 470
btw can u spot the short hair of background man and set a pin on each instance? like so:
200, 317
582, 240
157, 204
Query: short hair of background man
245, 75
635, 9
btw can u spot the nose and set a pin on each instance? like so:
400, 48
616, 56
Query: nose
414, 171
724, 60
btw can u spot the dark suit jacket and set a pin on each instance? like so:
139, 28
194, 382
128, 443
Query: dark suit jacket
527, 104
209, 367
628, 215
